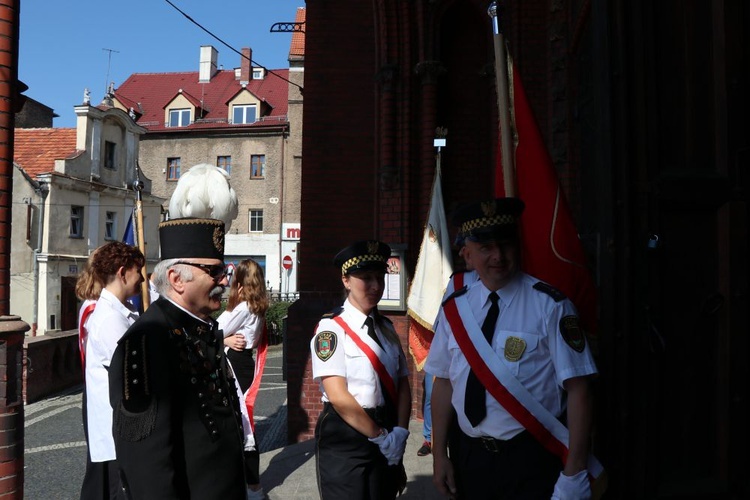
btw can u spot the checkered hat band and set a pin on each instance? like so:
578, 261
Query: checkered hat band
498, 220
359, 260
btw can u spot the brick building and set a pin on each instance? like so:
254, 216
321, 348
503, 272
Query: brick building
641, 105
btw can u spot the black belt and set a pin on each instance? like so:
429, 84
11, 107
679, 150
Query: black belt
497, 445
377, 414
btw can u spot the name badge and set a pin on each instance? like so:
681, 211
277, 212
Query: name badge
514, 348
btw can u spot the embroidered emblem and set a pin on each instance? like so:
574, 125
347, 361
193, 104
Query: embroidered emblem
219, 239
488, 208
372, 247
514, 348
325, 345
571, 332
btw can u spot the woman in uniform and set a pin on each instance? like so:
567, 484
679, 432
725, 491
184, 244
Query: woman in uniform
358, 361
243, 324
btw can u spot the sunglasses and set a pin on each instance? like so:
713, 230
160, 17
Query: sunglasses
215, 271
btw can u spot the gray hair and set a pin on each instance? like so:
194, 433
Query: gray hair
159, 276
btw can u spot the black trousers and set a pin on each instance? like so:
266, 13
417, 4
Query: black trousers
517, 469
348, 465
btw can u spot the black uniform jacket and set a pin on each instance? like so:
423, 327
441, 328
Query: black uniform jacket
176, 425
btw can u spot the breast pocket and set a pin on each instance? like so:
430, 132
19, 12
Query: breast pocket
518, 351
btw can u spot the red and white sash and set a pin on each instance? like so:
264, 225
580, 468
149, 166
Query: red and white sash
505, 388
83, 334
260, 365
385, 378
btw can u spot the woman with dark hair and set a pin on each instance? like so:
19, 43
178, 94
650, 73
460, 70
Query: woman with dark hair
243, 324
116, 268
361, 433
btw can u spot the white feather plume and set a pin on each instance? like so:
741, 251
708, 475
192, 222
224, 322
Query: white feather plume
204, 191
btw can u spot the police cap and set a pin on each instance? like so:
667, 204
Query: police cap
492, 219
363, 255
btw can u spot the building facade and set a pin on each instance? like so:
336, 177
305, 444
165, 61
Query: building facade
73, 191
247, 120
641, 106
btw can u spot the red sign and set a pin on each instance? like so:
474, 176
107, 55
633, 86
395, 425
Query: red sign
286, 262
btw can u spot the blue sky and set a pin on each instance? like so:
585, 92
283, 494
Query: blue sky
61, 47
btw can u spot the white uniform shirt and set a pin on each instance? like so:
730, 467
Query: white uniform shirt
349, 361
242, 320
106, 325
547, 361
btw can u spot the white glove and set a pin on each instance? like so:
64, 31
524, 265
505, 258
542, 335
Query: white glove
575, 487
378, 440
400, 435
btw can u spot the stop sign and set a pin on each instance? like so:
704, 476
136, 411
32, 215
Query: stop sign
286, 262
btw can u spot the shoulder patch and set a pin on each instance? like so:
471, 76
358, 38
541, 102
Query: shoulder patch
333, 314
455, 294
550, 290
325, 345
571, 332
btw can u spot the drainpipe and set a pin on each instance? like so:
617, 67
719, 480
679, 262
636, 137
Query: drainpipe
42, 190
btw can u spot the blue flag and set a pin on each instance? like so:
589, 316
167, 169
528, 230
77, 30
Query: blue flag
129, 239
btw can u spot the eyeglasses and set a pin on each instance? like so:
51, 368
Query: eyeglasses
215, 271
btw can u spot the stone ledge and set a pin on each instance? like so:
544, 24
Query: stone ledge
51, 364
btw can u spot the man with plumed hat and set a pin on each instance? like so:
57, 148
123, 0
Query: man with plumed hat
177, 424
511, 362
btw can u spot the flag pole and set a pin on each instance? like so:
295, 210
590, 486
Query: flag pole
138, 187
503, 103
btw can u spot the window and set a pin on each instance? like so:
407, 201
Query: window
257, 166
257, 74
179, 117
245, 113
256, 221
76, 222
110, 225
224, 162
109, 155
173, 169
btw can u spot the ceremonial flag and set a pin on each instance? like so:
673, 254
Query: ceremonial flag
552, 250
129, 239
434, 268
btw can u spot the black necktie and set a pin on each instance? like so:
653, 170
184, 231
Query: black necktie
475, 406
371, 331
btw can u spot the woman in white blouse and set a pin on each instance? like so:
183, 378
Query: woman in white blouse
243, 323
116, 267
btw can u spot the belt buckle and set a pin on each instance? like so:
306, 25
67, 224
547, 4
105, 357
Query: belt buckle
490, 444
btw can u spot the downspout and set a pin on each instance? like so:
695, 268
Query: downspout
42, 190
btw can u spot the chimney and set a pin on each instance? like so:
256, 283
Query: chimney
246, 65
208, 66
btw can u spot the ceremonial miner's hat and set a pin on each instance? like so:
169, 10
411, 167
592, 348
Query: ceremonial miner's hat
491, 219
363, 255
192, 238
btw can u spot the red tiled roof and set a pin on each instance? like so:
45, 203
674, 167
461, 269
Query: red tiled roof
297, 47
149, 93
36, 149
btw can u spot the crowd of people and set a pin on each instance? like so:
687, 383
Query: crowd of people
169, 393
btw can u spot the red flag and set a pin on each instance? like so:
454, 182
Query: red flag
552, 249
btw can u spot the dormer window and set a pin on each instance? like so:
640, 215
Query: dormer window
257, 73
109, 155
179, 117
244, 113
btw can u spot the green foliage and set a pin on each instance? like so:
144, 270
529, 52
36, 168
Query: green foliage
275, 314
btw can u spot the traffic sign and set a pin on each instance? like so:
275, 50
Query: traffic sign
286, 262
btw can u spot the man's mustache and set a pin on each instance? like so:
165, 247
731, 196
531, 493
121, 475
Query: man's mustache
217, 291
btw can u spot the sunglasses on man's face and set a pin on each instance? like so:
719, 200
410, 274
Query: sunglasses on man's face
215, 271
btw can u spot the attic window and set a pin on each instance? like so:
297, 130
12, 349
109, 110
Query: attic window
109, 155
179, 117
244, 113
257, 73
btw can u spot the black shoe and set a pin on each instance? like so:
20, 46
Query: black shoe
426, 449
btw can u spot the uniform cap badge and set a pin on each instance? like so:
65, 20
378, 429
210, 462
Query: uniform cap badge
514, 348
325, 345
